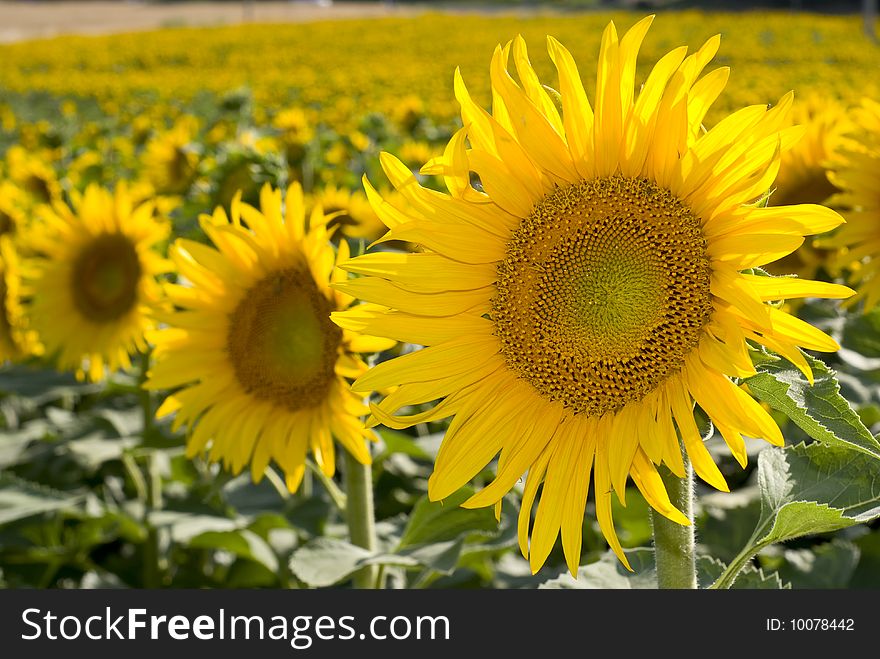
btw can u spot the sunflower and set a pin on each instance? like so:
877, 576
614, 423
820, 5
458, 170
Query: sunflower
803, 169
804, 174
16, 340
92, 286
33, 176
350, 211
259, 366
12, 214
170, 159
858, 241
591, 289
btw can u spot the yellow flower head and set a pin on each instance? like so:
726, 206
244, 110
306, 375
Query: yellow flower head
92, 286
803, 177
348, 210
16, 340
580, 300
33, 176
169, 160
858, 177
12, 205
260, 370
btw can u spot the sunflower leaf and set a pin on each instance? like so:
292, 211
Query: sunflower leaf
808, 489
819, 410
607, 572
440, 521
830, 565
20, 499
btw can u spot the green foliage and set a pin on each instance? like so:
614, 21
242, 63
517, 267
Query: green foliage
809, 489
818, 409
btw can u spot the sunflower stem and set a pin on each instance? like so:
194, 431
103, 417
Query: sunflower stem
674, 543
359, 513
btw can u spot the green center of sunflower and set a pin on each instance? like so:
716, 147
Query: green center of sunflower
281, 341
105, 278
603, 291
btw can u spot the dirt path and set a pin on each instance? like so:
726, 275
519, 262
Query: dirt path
29, 20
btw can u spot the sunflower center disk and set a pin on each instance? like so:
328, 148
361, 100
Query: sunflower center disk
603, 291
281, 342
105, 278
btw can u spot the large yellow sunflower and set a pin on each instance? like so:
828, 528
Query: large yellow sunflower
92, 286
259, 366
580, 300
858, 176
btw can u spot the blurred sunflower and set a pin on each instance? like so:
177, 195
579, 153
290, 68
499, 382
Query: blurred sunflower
581, 300
33, 176
170, 159
349, 211
858, 241
295, 132
92, 288
12, 214
16, 340
260, 367
803, 175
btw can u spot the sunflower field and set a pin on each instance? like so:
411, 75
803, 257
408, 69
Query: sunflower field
450, 301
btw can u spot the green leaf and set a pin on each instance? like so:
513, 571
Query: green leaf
751, 578
608, 572
42, 385
243, 543
438, 521
184, 526
809, 489
861, 333
20, 499
327, 561
398, 442
830, 565
819, 410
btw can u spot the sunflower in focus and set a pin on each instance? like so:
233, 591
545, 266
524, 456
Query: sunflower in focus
857, 177
16, 340
259, 370
348, 210
93, 285
591, 288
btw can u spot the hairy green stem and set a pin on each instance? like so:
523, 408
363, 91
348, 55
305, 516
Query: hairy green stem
674, 543
359, 513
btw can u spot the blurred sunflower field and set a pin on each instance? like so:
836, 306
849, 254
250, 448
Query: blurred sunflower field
148, 437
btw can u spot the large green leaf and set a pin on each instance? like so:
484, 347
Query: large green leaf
438, 521
830, 565
809, 489
751, 578
327, 561
20, 499
608, 572
818, 409
242, 543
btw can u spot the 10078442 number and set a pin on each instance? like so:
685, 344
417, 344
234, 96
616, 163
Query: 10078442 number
821, 624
